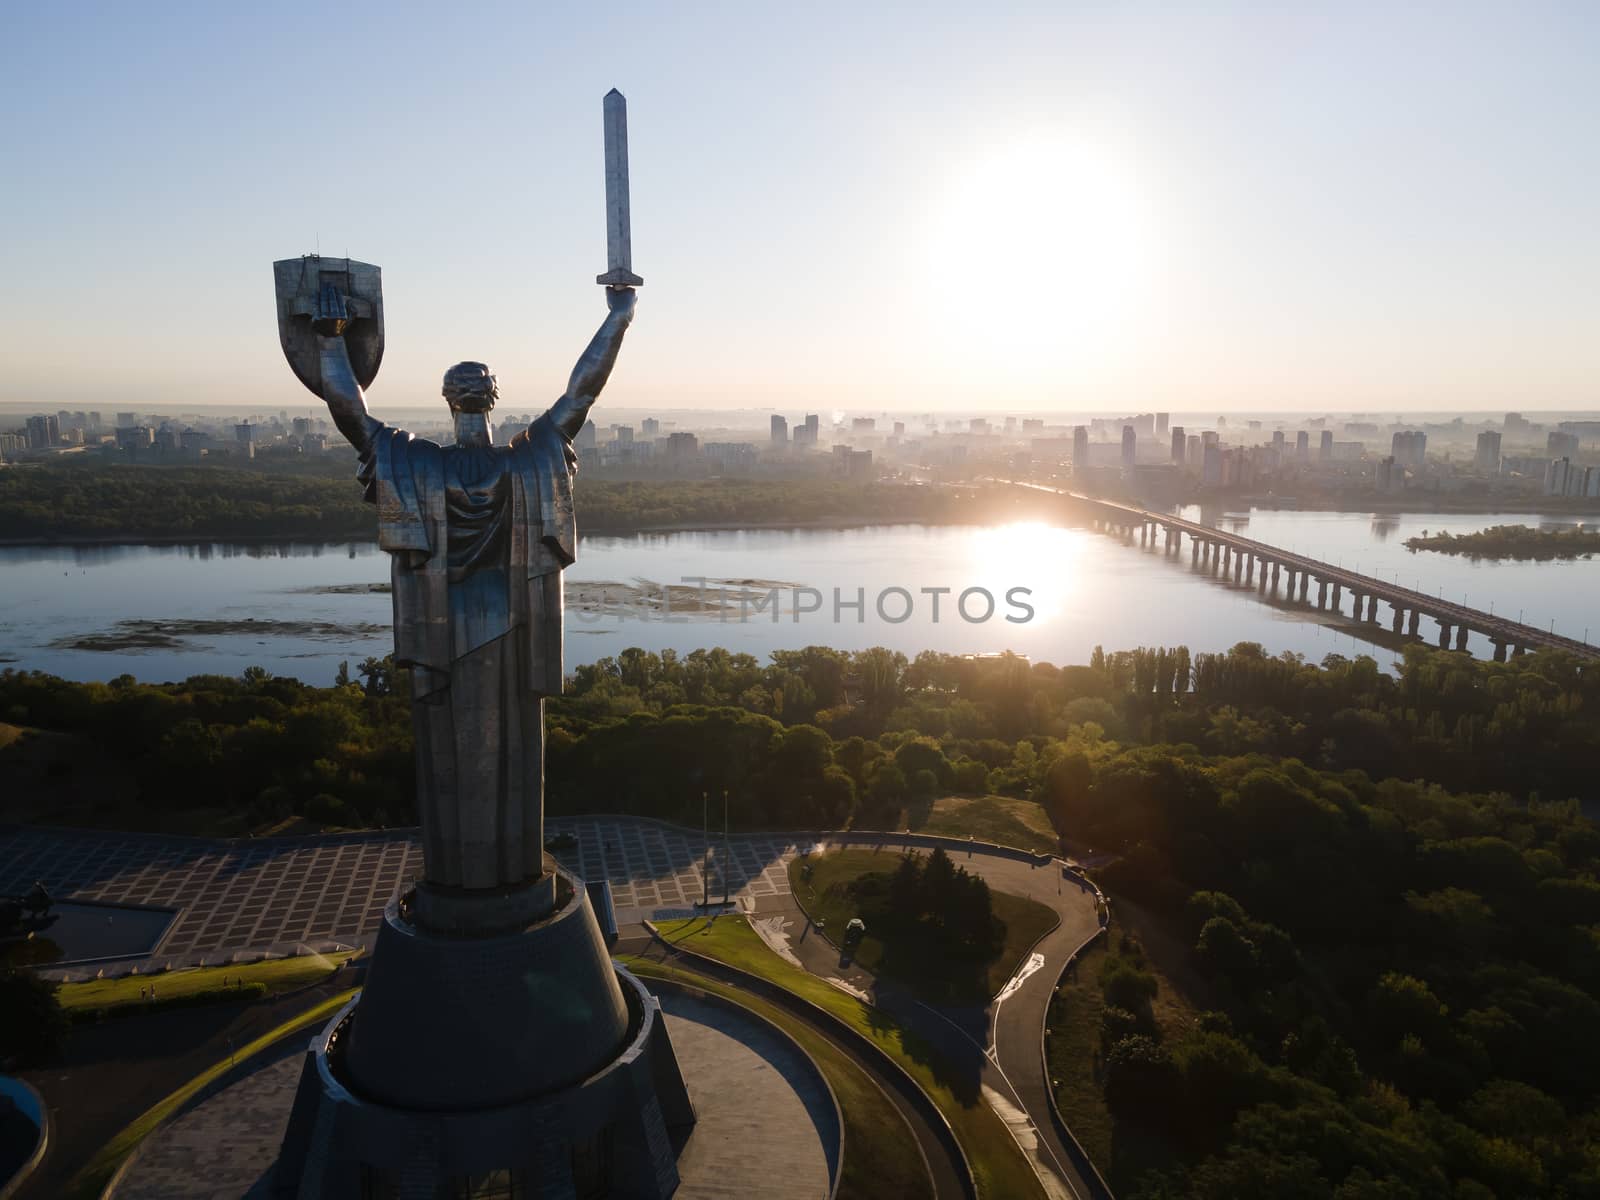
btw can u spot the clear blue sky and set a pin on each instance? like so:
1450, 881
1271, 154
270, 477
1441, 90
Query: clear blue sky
999, 206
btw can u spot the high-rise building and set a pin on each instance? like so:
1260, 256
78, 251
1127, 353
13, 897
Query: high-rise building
1080, 448
1177, 444
586, 436
863, 424
43, 431
243, 433
1516, 423
1409, 448
1211, 467
1555, 476
1161, 424
1489, 451
1302, 446
1325, 446
1386, 471
899, 429
780, 430
681, 445
806, 434
622, 435
1561, 445
1130, 446
650, 427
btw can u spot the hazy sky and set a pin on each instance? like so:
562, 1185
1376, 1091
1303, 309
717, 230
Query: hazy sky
978, 206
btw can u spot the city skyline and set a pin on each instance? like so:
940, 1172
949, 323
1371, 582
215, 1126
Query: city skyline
1024, 211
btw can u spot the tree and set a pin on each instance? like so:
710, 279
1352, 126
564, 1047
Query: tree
1141, 1082
33, 1026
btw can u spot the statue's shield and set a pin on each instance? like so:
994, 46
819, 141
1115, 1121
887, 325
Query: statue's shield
300, 281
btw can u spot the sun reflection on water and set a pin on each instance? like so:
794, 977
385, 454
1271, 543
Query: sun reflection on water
1030, 554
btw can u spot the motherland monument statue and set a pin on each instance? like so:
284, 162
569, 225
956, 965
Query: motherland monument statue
478, 535
494, 1042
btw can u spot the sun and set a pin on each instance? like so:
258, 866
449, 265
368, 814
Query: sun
1044, 236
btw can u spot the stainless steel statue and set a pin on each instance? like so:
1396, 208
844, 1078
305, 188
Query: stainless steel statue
493, 1039
478, 535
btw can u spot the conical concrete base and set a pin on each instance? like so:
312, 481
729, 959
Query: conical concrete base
520, 1065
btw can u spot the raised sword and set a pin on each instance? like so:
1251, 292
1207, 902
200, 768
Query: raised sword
619, 238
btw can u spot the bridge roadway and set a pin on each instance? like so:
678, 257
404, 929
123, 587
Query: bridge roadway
1231, 556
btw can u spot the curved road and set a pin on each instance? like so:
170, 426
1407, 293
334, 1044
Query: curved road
995, 1049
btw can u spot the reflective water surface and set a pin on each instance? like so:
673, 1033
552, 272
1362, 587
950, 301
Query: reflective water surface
1051, 593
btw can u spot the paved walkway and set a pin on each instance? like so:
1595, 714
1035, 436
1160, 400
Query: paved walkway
766, 1122
237, 898
229, 895
992, 1051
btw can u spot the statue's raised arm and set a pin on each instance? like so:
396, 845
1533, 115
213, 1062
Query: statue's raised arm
347, 404
594, 367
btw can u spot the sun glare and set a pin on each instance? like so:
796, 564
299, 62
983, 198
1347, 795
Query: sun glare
1030, 554
1047, 236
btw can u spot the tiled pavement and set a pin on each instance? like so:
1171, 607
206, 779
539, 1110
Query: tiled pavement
652, 867
750, 1087
255, 894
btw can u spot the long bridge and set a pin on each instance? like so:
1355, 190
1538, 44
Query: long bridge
1231, 557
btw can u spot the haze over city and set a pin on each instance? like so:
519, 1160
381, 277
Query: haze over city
1032, 208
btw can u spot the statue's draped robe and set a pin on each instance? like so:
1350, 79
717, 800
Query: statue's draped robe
478, 537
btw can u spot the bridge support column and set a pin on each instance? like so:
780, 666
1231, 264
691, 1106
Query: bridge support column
1273, 586
1499, 652
1461, 637
1338, 598
1194, 552
1249, 570
1412, 627
1322, 593
1372, 610
1399, 616
1444, 636
1238, 566
1305, 586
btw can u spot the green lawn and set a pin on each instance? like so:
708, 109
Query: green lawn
826, 898
91, 1180
1003, 820
880, 1156
998, 1166
279, 975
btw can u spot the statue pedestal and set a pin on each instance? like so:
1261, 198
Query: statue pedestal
475, 912
527, 1054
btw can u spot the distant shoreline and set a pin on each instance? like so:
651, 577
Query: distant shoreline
348, 540
1397, 507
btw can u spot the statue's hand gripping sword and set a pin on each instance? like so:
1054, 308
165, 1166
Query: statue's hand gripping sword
619, 240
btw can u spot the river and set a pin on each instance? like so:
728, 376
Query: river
167, 612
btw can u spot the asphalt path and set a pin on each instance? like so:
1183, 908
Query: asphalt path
996, 1047
943, 1170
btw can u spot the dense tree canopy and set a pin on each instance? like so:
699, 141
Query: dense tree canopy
1388, 883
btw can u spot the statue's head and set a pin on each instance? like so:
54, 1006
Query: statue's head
470, 387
